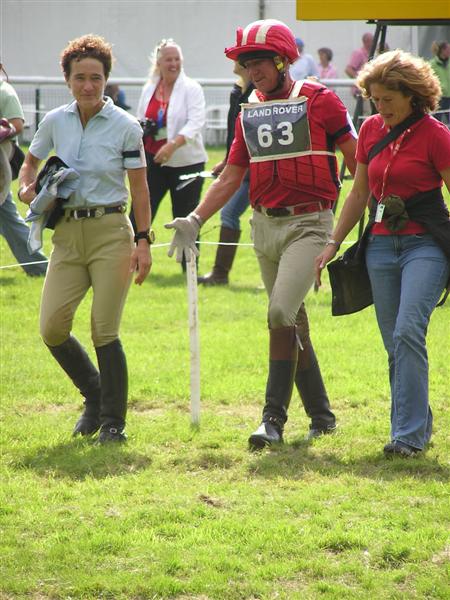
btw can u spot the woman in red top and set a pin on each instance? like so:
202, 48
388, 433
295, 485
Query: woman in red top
408, 265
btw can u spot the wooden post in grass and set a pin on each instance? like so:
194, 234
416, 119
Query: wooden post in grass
194, 339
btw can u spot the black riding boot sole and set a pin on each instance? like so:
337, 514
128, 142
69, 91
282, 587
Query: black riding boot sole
86, 426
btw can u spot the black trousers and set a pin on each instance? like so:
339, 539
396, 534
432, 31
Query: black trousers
163, 179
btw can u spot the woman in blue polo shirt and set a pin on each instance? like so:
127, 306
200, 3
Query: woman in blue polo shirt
93, 241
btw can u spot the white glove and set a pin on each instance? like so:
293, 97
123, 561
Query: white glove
186, 233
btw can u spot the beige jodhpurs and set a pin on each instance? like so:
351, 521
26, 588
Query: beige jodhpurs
92, 252
286, 248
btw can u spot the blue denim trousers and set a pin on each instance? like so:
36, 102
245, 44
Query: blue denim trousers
235, 207
407, 273
15, 231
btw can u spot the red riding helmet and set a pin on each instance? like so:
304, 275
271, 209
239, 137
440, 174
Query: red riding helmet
269, 37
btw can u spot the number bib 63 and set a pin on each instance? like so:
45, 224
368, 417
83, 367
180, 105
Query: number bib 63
276, 129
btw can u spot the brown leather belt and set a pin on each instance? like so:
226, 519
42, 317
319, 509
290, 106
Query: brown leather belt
93, 213
298, 209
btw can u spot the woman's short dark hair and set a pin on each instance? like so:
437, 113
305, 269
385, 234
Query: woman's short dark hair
87, 46
402, 72
328, 53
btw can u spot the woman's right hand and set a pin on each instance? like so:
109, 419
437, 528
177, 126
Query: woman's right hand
217, 169
27, 193
327, 254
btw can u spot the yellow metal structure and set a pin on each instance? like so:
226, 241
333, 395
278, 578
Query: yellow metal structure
363, 10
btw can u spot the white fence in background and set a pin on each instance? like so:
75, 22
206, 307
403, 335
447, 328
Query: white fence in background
38, 95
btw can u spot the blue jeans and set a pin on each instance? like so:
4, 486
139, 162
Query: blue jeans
235, 207
15, 231
407, 273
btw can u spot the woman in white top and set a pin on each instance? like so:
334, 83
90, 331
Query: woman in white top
172, 112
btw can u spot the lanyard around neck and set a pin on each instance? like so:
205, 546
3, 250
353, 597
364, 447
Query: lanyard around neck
395, 149
162, 106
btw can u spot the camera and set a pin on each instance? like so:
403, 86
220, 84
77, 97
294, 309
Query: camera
149, 127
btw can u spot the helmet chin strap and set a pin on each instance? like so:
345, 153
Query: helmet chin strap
280, 84
278, 61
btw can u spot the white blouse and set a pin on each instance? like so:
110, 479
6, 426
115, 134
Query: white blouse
185, 116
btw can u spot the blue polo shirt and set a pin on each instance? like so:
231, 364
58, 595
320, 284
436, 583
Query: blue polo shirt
96, 152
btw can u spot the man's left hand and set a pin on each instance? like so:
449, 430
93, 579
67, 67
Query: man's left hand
186, 232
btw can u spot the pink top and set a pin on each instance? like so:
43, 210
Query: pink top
329, 72
358, 58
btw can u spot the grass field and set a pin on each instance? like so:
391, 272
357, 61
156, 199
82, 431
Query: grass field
189, 513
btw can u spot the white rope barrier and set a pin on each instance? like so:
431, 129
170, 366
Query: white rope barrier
165, 245
36, 262
193, 320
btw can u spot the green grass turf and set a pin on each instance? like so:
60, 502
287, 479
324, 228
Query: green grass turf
188, 513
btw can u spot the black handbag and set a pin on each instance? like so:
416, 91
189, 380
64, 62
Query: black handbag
350, 283
16, 161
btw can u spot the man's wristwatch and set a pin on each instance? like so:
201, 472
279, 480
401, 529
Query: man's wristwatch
148, 235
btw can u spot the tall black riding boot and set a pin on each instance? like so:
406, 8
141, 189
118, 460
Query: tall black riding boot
224, 258
309, 382
114, 385
75, 361
282, 365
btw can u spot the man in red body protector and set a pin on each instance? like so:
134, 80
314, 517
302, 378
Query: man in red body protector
286, 136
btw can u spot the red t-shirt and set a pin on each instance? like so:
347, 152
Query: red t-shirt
328, 113
152, 146
423, 154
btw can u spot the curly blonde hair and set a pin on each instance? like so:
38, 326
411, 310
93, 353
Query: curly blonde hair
402, 72
87, 46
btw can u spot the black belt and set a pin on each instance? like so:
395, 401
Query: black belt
298, 209
93, 213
